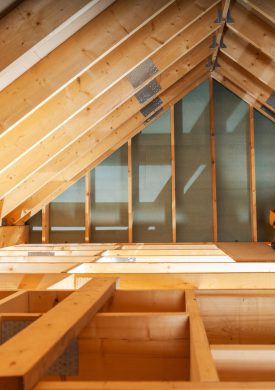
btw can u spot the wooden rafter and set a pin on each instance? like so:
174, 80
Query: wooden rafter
33, 29
118, 136
112, 27
165, 80
20, 169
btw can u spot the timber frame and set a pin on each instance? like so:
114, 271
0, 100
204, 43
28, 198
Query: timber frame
183, 331
188, 42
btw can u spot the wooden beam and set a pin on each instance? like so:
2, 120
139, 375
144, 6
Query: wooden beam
45, 224
213, 163
245, 362
252, 175
112, 27
88, 207
25, 361
219, 38
246, 23
202, 366
13, 235
105, 92
173, 174
32, 30
249, 58
72, 174
85, 124
130, 192
154, 385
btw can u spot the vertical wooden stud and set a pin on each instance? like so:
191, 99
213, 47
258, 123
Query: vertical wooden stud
88, 207
173, 173
45, 224
130, 192
202, 365
253, 210
213, 162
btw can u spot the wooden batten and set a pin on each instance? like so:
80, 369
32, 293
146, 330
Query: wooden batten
253, 204
88, 207
45, 224
173, 173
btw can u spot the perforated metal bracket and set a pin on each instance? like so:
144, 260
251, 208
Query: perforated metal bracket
152, 106
209, 63
68, 362
271, 100
142, 72
41, 253
148, 91
10, 328
153, 116
268, 112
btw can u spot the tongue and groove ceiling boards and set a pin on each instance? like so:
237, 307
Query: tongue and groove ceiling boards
78, 79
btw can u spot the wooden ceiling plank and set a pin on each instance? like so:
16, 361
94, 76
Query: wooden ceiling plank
249, 58
109, 29
253, 30
105, 76
165, 80
35, 28
83, 164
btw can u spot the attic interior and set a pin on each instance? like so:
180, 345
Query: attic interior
137, 194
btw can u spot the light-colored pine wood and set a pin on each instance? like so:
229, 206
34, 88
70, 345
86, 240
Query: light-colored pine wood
130, 192
117, 138
213, 163
85, 122
112, 27
252, 175
88, 207
24, 360
45, 224
92, 99
202, 366
173, 174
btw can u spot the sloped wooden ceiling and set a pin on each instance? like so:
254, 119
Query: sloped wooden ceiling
63, 113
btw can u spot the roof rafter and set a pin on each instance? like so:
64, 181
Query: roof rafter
109, 29
117, 138
47, 149
35, 28
87, 121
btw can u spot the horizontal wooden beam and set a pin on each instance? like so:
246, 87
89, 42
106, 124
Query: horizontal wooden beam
25, 361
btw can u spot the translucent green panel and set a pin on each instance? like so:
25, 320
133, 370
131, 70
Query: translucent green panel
67, 215
193, 166
152, 182
35, 228
109, 199
265, 173
232, 129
